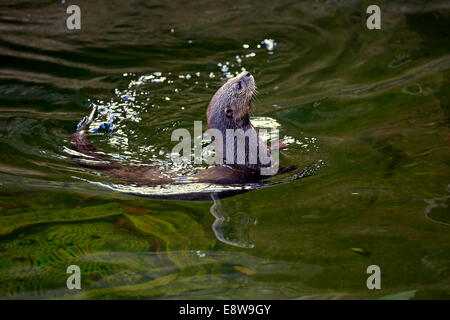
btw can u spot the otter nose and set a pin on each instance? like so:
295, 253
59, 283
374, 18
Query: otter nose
248, 74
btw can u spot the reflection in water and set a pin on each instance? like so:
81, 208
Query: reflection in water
435, 205
232, 229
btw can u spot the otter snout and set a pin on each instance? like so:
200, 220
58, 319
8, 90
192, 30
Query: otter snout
245, 76
244, 82
249, 78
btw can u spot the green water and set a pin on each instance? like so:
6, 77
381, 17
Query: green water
368, 110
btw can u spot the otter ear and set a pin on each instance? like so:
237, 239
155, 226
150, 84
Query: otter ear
228, 112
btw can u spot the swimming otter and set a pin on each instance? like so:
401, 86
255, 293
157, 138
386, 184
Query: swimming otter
229, 109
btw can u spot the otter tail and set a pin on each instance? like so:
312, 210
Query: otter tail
86, 154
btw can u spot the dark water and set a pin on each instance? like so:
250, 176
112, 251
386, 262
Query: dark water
367, 110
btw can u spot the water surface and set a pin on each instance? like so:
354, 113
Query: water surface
366, 111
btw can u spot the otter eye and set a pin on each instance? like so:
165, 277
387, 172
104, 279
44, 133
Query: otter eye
239, 85
228, 112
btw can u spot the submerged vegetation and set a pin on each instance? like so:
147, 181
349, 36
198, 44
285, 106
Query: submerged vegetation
368, 109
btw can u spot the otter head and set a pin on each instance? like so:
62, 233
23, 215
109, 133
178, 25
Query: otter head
231, 104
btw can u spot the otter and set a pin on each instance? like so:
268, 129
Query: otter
228, 109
